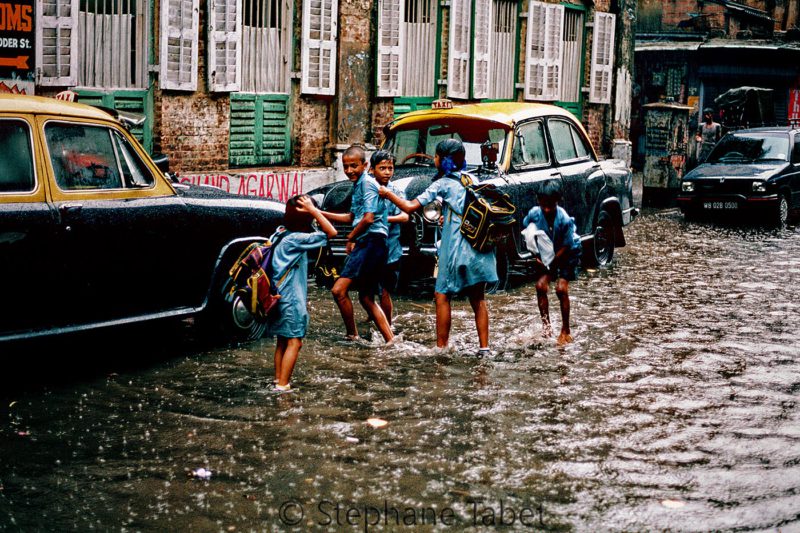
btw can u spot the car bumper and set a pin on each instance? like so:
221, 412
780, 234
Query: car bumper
725, 202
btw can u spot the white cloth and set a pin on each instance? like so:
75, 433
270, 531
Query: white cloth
538, 243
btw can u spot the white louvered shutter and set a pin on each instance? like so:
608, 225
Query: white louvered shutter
224, 45
602, 58
179, 29
319, 46
458, 62
57, 42
390, 47
481, 66
544, 51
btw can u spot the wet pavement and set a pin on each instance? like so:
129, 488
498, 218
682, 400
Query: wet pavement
675, 408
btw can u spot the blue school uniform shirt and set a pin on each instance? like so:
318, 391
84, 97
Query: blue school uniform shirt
290, 259
395, 249
460, 265
366, 200
562, 233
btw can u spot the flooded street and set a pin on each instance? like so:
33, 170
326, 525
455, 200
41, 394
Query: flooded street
675, 408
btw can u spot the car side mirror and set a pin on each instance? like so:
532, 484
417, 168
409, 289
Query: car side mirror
162, 162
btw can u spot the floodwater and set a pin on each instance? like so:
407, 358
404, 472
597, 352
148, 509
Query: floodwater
675, 408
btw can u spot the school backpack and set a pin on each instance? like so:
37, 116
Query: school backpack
251, 281
488, 215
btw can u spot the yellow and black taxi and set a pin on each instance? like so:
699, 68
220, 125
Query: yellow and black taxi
751, 173
518, 147
93, 233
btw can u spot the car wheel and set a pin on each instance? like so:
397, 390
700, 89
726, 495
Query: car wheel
227, 316
603, 241
781, 214
503, 263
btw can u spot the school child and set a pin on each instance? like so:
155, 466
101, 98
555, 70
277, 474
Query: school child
560, 228
462, 269
366, 246
381, 165
289, 269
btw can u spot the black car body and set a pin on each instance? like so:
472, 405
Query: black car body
752, 171
518, 147
93, 234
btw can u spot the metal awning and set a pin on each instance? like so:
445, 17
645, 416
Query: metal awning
666, 46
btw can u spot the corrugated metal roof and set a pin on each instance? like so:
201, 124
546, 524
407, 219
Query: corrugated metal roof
665, 46
741, 44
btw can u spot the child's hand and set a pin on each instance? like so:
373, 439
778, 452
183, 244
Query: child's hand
306, 205
383, 191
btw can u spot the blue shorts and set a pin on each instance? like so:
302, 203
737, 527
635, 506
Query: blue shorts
366, 262
390, 276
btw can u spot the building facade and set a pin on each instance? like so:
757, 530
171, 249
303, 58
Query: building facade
688, 52
241, 84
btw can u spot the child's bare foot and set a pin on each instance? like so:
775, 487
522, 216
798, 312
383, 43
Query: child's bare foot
564, 338
547, 329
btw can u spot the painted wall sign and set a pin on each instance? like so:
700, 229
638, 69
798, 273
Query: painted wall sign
278, 186
17, 44
794, 104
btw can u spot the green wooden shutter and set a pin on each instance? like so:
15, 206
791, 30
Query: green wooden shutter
259, 129
135, 101
406, 105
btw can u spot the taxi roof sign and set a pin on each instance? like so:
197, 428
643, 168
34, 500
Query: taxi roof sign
442, 104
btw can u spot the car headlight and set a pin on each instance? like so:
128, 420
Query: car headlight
687, 186
759, 186
432, 212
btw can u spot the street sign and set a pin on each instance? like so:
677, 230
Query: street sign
17, 43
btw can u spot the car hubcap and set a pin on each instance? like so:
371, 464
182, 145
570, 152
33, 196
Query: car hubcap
784, 210
601, 244
241, 316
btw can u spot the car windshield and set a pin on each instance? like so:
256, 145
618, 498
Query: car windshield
415, 143
737, 147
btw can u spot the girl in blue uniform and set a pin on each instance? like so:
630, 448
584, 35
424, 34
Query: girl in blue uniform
289, 272
462, 269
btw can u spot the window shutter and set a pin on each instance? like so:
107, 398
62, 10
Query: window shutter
544, 51
57, 42
481, 66
179, 29
390, 47
224, 45
458, 63
602, 58
319, 46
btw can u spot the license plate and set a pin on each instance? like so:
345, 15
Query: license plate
720, 205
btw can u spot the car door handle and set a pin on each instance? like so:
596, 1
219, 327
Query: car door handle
70, 209
554, 174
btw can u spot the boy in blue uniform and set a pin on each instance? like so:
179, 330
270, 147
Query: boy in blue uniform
366, 245
560, 228
289, 267
381, 166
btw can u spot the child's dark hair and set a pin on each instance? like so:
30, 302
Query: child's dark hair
379, 156
452, 155
296, 220
355, 150
550, 189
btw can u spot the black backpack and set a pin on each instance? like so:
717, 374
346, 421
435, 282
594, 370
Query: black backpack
488, 215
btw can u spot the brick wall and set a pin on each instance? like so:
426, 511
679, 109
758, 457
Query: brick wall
312, 132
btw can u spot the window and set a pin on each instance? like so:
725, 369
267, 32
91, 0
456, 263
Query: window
266, 46
796, 149
179, 30
544, 51
224, 45
530, 146
94, 157
573, 56
319, 46
16, 157
57, 42
494, 45
112, 37
602, 58
260, 127
458, 63
568, 143
406, 47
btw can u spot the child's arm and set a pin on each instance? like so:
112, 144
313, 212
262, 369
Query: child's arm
362, 226
406, 205
400, 218
341, 218
324, 224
